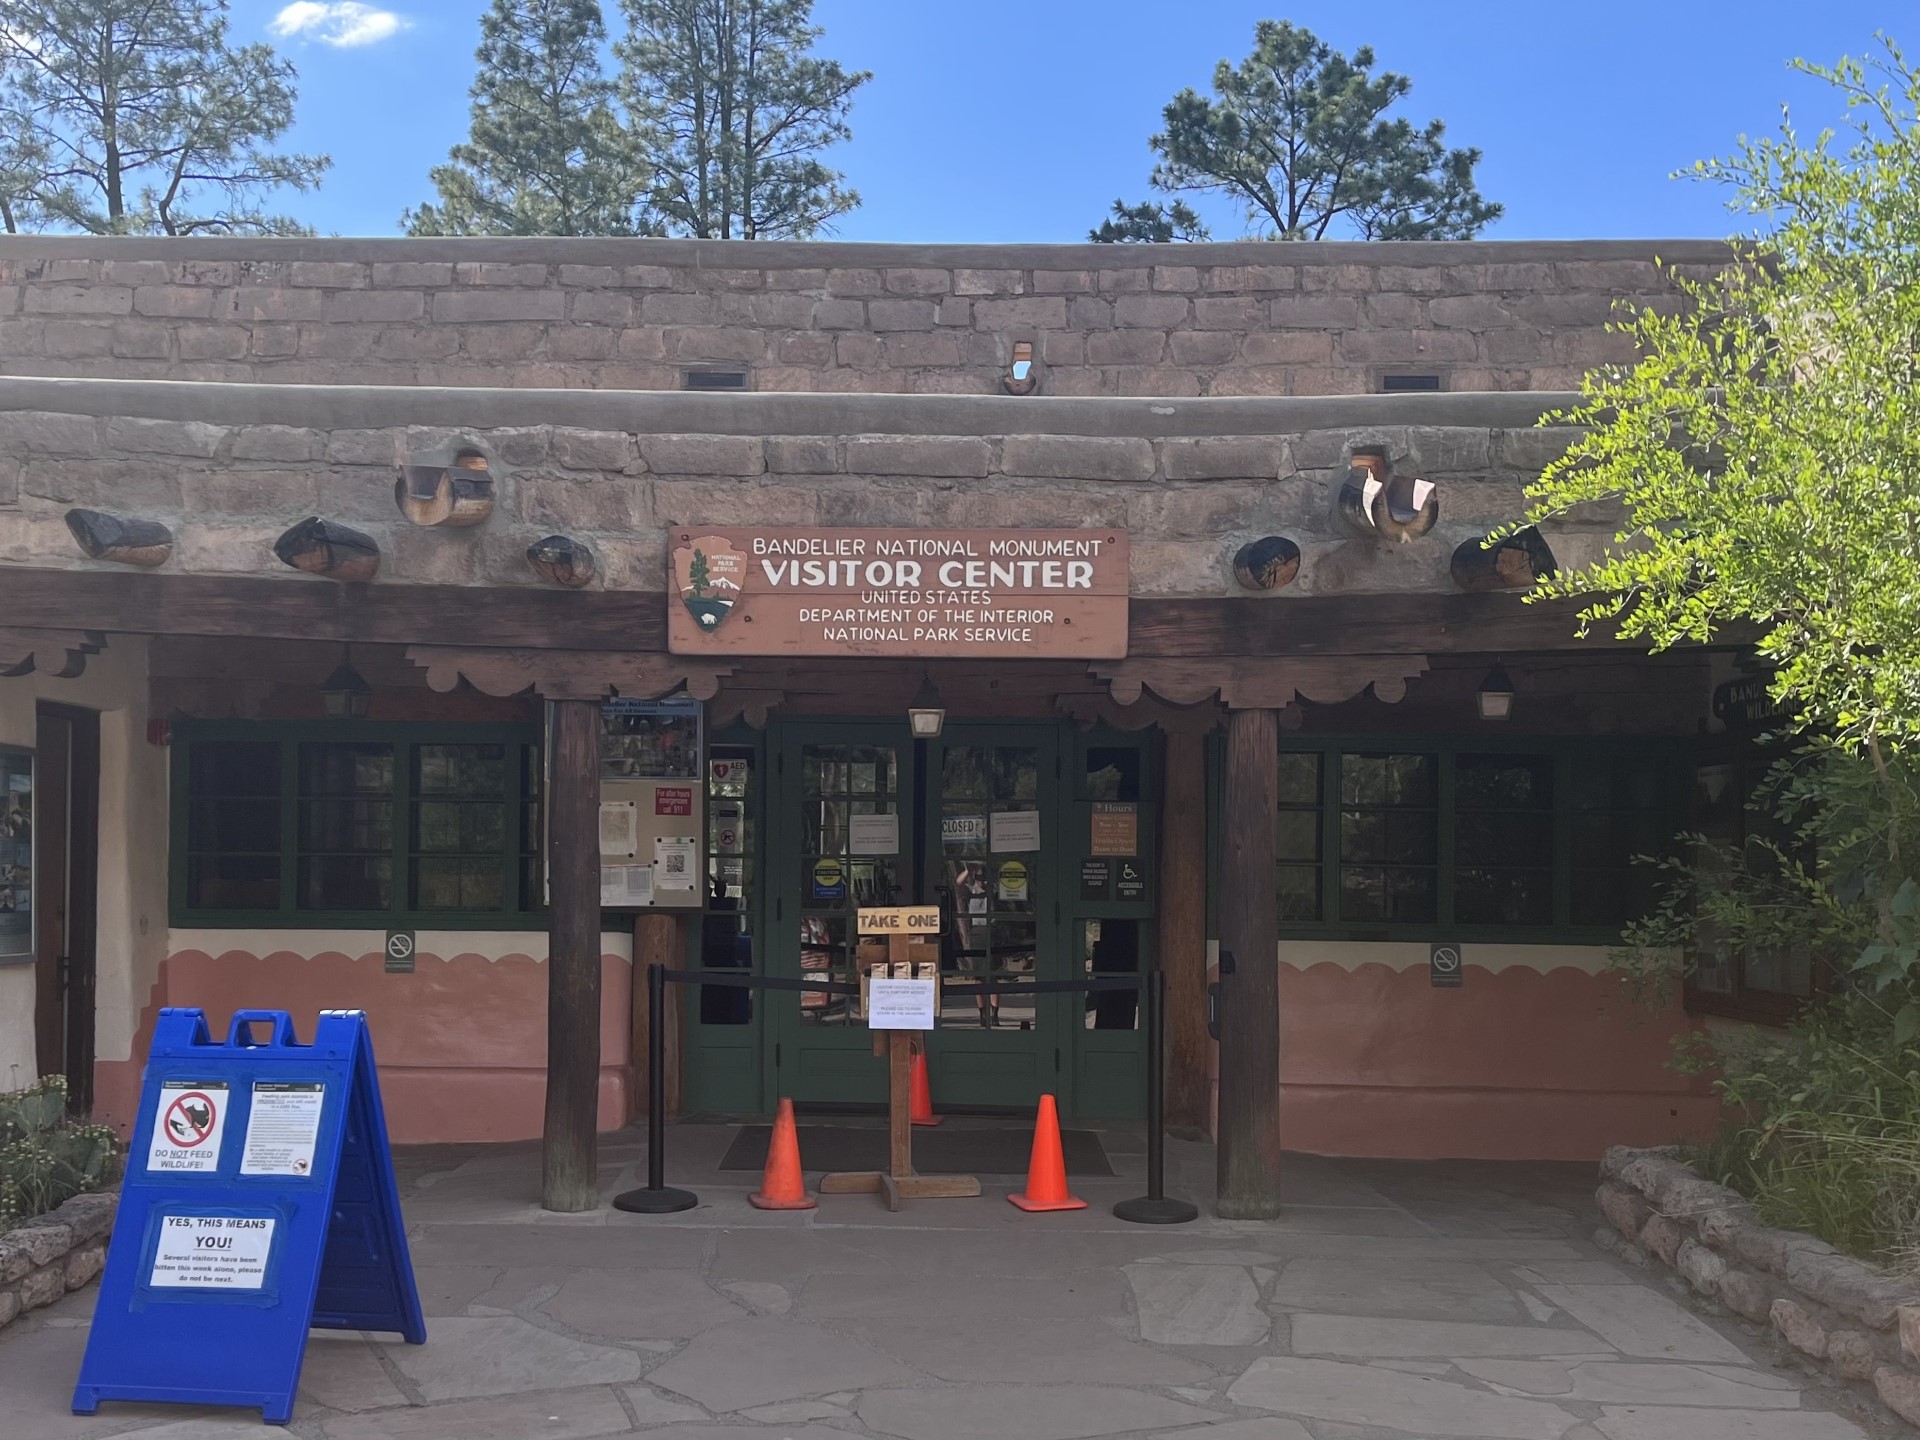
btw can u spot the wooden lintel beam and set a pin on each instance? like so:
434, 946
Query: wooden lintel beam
528, 617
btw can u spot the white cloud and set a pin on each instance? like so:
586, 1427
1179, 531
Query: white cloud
340, 23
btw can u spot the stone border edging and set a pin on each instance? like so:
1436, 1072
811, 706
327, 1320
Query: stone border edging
43, 1258
1862, 1324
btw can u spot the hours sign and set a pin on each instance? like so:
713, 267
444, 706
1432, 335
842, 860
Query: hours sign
748, 591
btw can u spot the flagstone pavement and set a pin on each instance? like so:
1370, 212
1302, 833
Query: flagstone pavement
1391, 1300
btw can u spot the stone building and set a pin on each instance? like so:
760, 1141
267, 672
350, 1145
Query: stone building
348, 587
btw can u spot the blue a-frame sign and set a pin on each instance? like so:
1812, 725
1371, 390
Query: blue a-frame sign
259, 1201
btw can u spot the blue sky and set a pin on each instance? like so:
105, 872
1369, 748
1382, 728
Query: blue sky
995, 120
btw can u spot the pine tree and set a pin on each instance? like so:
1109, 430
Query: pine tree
731, 109
1150, 224
1296, 135
134, 117
546, 154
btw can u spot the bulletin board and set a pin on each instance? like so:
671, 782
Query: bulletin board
652, 805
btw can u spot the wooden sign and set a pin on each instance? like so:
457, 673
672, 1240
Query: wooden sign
900, 920
1116, 828
929, 593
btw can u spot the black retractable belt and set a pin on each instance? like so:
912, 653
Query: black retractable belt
658, 1198
1154, 1207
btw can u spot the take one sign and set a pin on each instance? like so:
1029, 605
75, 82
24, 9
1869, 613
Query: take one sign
791, 591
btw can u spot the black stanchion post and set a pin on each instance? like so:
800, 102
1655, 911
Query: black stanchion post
1154, 1208
657, 1198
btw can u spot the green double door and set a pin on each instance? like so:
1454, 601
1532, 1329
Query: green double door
970, 822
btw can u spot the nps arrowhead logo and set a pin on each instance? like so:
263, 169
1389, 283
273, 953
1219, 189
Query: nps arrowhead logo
711, 574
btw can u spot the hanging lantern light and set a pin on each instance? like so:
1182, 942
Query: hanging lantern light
345, 692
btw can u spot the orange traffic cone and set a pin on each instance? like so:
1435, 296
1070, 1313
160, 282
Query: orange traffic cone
920, 1095
783, 1187
1047, 1170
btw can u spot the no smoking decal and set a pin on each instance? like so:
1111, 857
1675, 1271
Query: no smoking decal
189, 1119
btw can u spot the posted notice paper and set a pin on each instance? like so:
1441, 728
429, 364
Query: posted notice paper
212, 1252
283, 1127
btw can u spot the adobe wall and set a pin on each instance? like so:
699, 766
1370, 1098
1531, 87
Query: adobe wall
228, 468
1310, 318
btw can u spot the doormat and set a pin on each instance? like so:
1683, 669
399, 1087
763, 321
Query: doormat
935, 1152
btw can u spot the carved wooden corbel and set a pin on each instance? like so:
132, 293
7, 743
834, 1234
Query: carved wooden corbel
326, 547
1260, 683
1087, 709
752, 706
567, 674
61, 654
145, 543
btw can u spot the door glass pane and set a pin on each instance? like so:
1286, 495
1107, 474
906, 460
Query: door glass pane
1111, 947
838, 783
989, 898
726, 943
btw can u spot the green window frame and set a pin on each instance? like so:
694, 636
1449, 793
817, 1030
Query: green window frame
1367, 823
404, 825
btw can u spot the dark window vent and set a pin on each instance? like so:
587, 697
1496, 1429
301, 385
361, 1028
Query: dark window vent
1398, 384
725, 379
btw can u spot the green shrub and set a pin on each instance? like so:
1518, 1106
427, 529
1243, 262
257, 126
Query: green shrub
1828, 1134
44, 1157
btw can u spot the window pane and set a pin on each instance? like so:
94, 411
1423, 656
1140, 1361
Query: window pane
233, 882
226, 768
1622, 812
233, 825
1299, 835
346, 882
346, 826
1299, 892
1484, 896
1300, 777
1389, 837
1503, 782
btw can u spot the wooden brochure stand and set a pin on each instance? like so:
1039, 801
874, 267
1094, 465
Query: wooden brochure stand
903, 958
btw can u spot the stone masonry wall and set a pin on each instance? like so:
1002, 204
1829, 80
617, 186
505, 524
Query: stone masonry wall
45, 1257
228, 486
1859, 1322
1163, 320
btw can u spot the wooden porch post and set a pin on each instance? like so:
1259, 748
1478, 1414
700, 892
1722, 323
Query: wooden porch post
1249, 1151
570, 1154
1183, 925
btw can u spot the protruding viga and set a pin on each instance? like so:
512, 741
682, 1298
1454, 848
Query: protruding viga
448, 487
1385, 506
563, 560
146, 543
326, 547
1511, 563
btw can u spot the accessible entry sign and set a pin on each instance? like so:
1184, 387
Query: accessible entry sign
259, 1201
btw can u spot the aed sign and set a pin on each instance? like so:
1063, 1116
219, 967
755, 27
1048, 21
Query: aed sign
900, 920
